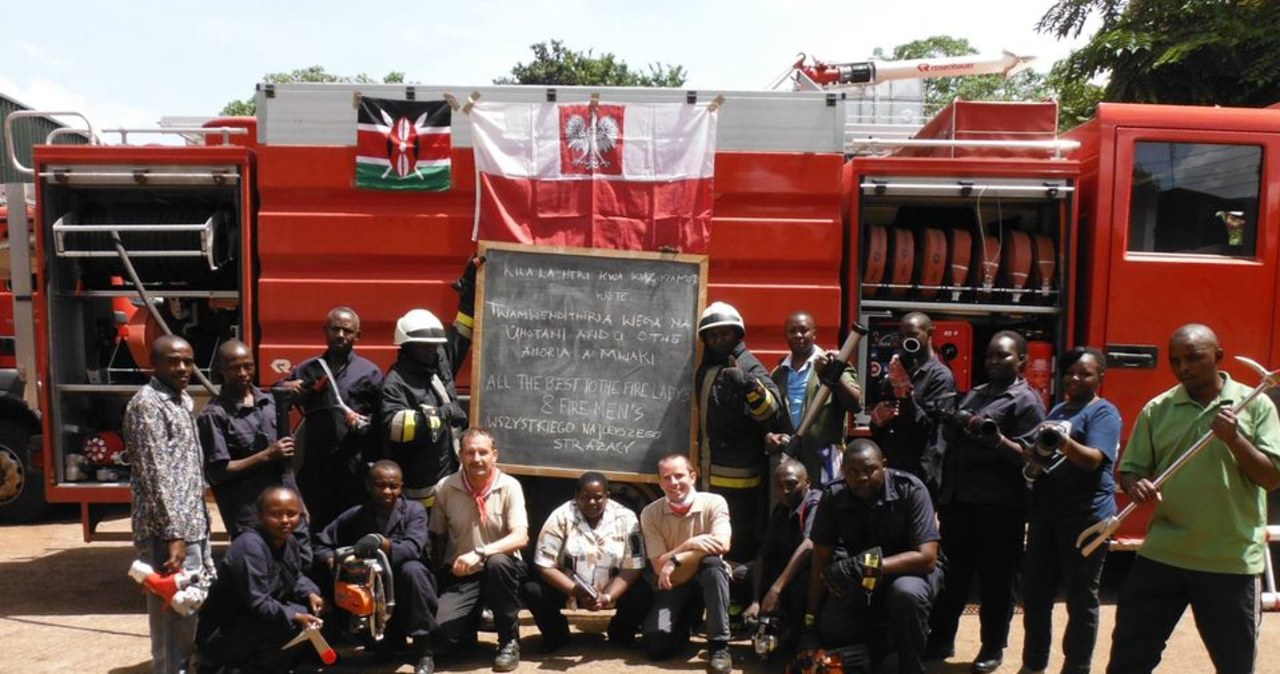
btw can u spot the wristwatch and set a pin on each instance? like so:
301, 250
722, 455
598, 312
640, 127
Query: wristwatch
675, 560
480, 552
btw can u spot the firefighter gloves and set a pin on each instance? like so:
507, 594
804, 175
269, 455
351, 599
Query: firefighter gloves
862, 570
831, 374
738, 379
369, 545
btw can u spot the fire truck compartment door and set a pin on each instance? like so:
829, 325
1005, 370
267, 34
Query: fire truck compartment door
1174, 259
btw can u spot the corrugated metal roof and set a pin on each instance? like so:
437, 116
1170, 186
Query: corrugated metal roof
26, 133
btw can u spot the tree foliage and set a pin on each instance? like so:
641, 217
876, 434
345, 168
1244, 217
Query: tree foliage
1198, 52
554, 64
247, 107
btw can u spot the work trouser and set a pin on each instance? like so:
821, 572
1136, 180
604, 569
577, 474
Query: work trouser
330, 483
792, 604
1152, 600
249, 644
545, 603
894, 618
172, 635
496, 586
666, 628
986, 541
744, 491
1052, 559
416, 601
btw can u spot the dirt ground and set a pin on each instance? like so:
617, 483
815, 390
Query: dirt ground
67, 606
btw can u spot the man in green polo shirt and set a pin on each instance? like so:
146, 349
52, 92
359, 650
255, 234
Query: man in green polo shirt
1204, 546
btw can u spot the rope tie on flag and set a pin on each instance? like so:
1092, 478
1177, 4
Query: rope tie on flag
471, 102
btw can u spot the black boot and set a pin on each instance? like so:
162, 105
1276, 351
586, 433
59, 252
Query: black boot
424, 659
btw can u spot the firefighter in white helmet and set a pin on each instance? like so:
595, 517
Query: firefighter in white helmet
737, 400
420, 407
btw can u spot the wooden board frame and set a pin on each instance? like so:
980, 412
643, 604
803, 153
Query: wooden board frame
477, 374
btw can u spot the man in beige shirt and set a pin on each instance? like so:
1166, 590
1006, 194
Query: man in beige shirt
480, 523
686, 534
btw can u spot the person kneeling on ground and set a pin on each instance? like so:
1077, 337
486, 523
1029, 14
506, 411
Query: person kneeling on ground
398, 527
261, 599
782, 583
589, 553
686, 534
885, 519
480, 518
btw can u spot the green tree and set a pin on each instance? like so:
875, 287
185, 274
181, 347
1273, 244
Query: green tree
556, 65
1199, 52
247, 107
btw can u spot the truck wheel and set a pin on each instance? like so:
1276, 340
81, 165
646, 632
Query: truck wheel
21, 488
634, 495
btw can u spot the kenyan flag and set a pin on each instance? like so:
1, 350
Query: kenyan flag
403, 145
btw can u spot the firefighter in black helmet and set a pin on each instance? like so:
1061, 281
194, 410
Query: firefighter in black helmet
736, 402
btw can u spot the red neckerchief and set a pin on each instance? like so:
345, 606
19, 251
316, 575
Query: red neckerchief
482, 495
682, 509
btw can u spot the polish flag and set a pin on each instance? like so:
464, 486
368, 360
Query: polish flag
629, 177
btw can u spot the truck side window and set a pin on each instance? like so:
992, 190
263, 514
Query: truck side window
1195, 198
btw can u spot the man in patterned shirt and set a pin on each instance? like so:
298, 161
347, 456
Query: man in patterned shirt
170, 522
589, 552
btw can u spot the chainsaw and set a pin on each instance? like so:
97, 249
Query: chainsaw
364, 588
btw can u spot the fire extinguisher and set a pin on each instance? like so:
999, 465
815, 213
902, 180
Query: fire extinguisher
1040, 368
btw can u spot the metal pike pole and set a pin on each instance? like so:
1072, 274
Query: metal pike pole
1096, 535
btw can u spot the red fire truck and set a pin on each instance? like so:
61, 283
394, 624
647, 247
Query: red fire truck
1111, 235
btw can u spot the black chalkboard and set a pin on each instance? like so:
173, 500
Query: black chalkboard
585, 359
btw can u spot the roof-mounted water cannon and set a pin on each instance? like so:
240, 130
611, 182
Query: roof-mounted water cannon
822, 75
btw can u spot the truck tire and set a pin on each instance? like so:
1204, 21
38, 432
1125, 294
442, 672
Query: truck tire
21, 487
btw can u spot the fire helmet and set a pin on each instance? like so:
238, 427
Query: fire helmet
718, 314
419, 325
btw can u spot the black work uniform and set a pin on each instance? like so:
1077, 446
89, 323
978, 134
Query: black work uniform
900, 519
406, 528
251, 607
332, 473
734, 432
788, 529
230, 431
430, 456
910, 440
983, 512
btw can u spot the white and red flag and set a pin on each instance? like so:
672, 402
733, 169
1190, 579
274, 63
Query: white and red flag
630, 177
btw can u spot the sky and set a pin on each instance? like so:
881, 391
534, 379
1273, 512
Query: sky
128, 63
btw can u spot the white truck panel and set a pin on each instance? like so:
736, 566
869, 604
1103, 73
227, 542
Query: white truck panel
324, 114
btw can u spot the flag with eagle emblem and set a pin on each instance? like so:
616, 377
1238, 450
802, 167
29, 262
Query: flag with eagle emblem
403, 145
628, 177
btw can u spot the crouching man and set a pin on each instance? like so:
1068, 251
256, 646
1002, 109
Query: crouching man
782, 582
686, 535
480, 518
886, 584
398, 527
261, 598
